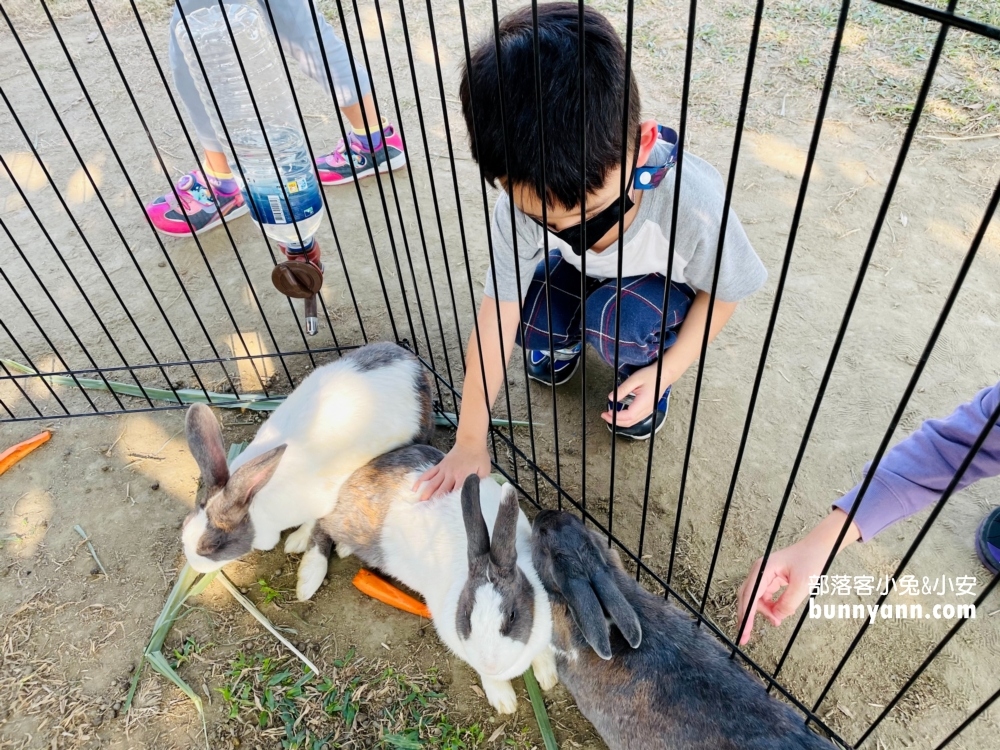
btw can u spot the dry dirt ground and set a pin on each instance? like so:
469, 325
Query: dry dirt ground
69, 638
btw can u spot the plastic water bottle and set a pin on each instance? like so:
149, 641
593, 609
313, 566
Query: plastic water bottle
293, 221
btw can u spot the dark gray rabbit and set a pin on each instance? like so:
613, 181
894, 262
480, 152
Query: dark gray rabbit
644, 676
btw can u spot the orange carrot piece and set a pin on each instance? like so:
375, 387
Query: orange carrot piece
16, 452
379, 588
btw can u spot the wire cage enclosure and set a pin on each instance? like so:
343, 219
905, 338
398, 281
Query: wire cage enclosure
822, 370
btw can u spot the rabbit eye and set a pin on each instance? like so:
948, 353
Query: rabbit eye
509, 625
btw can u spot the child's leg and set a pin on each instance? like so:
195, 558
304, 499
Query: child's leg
641, 316
638, 334
564, 323
374, 144
199, 199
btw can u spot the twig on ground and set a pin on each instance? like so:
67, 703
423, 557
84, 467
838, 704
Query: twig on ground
93, 552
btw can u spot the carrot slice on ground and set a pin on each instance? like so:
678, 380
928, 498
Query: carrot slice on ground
16, 452
379, 588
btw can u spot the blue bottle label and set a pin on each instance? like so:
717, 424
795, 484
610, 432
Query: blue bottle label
268, 204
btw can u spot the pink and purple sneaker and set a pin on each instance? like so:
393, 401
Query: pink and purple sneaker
383, 152
204, 207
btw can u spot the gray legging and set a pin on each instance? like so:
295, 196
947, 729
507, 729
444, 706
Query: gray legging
297, 34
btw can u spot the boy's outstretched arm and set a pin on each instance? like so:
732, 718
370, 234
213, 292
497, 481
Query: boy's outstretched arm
676, 360
469, 454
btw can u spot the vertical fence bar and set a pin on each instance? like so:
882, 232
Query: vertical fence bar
41, 330
780, 290
350, 161
180, 204
508, 149
416, 208
624, 182
842, 331
239, 166
726, 204
395, 195
490, 250
671, 249
378, 175
458, 210
434, 198
135, 193
326, 203
544, 196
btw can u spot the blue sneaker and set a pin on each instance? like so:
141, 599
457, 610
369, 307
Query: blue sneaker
642, 430
555, 370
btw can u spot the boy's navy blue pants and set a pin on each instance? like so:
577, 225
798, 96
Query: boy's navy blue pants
641, 314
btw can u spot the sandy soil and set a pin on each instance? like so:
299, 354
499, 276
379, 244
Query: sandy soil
90, 629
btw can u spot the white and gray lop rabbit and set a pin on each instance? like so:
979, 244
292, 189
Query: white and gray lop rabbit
638, 668
468, 553
372, 400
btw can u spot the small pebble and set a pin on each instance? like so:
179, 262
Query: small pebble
154, 486
105, 468
95, 570
162, 264
244, 591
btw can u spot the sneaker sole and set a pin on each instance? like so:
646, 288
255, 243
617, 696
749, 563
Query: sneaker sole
392, 165
234, 214
566, 379
637, 437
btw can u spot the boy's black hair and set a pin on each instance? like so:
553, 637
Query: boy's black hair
558, 44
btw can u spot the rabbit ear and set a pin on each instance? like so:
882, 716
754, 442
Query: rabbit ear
472, 514
618, 607
205, 441
503, 550
588, 615
245, 482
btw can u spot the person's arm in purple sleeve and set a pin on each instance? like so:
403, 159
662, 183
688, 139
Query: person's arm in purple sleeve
914, 473
910, 477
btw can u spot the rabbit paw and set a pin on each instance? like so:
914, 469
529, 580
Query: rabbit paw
501, 695
298, 541
544, 667
312, 573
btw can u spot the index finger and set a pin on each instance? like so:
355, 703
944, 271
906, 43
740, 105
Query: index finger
427, 476
743, 600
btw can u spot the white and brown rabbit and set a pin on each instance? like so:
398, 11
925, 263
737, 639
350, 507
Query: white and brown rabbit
345, 413
639, 669
467, 553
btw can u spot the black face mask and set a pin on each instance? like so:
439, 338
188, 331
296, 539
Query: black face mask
586, 234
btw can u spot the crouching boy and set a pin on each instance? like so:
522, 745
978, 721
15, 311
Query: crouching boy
546, 186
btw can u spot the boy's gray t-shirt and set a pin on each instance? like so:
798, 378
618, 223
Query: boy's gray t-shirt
646, 248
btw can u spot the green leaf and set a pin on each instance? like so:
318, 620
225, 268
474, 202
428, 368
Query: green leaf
159, 663
541, 715
251, 401
402, 741
234, 450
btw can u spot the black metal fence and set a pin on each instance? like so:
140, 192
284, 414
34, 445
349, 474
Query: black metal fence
94, 296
